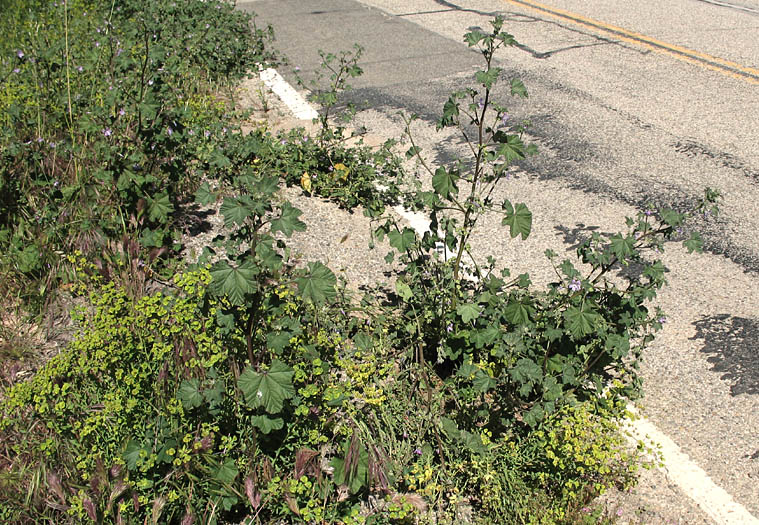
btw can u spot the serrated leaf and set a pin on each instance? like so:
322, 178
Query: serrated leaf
525, 371
318, 285
580, 322
226, 472
403, 240
159, 208
483, 382
694, 244
268, 256
473, 37
288, 221
517, 88
622, 247
204, 195
518, 219
278, 341
468, 312
266, 424
484, 337
534, 415
189, 393
517, 312
487, 78
403, 290
413, 151
235, 211
444, 183
450, 428
234, 282
450, 113
132, 454
268, 389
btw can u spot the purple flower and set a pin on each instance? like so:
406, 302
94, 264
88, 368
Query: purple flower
662, 320
169, 130
449, 328
418, 451
51, 144
648, 213
480, 103
575, 285
80, 68
97, 44
107, 132
283, 142
122, 112
208, 25
16, 70
40, 140
32, 60
207, 133
297, 68
20, 54
504, 118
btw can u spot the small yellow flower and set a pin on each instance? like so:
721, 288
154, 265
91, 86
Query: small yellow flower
305, 182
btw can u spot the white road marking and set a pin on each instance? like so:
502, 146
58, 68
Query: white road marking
297, 104
692, 479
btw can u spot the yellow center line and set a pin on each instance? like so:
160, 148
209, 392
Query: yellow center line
726, 67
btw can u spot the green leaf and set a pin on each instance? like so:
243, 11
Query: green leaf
468, 312
402, 241
534, 415
473, 37
511, 146
413, 151
488, 78
519, 219
403, 290
450, 428
444, 183
483, 382
268, 256
266, 424
319, 285
159, 208
580, 322
517, 312
672, 218
235, 211
288, 221
268, 389
622, 247
234, 283
481, 338
517, 88
204, 195
133, 454
694, 244
278, 341
450, 113
226, 472
189, 393
526, 371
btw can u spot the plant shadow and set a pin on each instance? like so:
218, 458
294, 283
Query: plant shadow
732, 346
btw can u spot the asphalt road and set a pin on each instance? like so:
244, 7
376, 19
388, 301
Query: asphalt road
631, 103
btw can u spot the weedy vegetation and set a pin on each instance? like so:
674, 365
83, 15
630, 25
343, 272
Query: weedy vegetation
246, 388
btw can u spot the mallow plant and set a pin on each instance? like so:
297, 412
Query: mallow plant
514, 354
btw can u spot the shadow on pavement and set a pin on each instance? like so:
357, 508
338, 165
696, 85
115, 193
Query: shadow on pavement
732, 346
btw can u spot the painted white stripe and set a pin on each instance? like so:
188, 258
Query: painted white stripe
691, 478
297, 104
